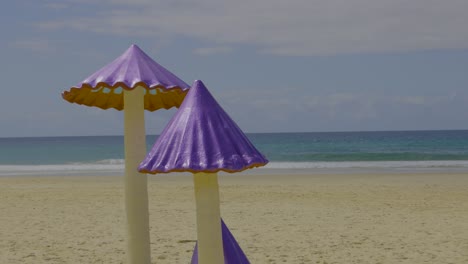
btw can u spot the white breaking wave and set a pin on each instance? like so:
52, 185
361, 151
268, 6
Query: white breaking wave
116, 167
65, 169
111, 161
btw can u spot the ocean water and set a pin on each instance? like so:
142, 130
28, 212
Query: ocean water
325, 151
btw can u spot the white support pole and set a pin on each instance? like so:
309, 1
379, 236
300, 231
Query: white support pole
136, 189
210, 241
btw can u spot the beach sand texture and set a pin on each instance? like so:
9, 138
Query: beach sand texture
368, 218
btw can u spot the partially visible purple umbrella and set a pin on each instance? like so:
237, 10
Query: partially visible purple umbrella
203, 139
233, 254
133, 82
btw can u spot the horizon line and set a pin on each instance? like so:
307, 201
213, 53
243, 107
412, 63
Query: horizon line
298, 132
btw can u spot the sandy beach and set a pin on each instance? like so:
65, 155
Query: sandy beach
343, 218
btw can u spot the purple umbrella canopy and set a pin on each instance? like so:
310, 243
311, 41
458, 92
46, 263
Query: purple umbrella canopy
133, 68
201, 137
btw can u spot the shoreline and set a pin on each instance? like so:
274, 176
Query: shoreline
358, 167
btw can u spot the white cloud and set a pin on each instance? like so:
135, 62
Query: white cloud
297, 27
36, 45
345, 111
412, 100
56, 6
213, 50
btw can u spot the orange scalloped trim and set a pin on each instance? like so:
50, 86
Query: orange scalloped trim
106, 96
254, 165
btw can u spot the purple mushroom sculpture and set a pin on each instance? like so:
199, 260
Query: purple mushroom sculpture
133, 82
201, 138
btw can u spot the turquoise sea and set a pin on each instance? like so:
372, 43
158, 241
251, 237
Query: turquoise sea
322, 152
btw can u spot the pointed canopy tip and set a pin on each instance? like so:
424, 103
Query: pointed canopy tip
135, 47
198, 85
201, 137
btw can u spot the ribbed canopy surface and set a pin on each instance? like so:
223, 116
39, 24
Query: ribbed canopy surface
201, 137
133, 68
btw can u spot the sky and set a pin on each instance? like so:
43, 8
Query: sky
273, 65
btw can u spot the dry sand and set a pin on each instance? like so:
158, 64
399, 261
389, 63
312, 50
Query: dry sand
398, 218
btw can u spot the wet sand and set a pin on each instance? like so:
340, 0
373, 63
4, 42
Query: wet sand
342, 218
